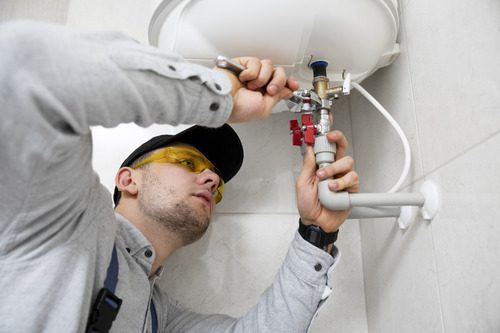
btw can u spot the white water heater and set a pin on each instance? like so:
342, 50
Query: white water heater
355, 36
347, 40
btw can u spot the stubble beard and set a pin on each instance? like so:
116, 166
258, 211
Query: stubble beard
164, 207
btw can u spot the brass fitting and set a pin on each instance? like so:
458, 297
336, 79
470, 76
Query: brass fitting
334, 92
321, 86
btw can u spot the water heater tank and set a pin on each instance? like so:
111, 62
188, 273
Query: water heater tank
356, 36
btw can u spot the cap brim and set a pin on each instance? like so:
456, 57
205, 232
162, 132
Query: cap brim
221, 146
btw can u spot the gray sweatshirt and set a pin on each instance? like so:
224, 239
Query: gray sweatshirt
57, 224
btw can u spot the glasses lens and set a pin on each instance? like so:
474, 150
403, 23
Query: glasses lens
220, 192
188, 158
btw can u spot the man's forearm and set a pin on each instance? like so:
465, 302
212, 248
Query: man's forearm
107, 79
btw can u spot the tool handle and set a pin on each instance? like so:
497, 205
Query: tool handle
229, 64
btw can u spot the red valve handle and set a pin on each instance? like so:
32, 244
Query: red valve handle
308, 134
310, 130
296, 132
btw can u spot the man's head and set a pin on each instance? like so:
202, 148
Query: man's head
176, 180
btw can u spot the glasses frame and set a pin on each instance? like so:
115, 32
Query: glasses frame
168, 155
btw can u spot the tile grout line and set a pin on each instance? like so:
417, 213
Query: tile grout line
412, 93
457, 156
421, 157
349, 108
434, 254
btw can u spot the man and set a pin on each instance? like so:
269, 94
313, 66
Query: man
61, 241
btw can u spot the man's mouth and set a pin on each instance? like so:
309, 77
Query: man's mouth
205, 196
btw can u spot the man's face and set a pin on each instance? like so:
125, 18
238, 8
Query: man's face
179, 200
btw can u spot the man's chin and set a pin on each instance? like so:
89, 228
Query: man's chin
195, 234
206, 206
196, 223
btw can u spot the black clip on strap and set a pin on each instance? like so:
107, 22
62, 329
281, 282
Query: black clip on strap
107, 304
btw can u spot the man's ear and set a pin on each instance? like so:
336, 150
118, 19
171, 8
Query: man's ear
126, 181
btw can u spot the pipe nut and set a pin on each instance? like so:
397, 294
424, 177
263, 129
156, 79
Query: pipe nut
324, 150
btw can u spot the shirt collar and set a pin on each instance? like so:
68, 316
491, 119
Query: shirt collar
136, 244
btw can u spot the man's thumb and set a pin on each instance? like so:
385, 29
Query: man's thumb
309, 163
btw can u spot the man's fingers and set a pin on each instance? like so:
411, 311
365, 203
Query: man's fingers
348, 182
308, 166
292, 84
258, 89
341, 141
342, 166
278, 83
263, 76
253, 66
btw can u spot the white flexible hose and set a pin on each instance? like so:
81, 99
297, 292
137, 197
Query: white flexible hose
406, 145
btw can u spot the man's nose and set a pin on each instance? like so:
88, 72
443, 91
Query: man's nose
210, 177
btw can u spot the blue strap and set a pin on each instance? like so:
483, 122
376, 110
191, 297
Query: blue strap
112, 280
154, 317
107, 304
112, 274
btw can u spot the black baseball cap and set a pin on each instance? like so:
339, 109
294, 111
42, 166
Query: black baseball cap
221, 146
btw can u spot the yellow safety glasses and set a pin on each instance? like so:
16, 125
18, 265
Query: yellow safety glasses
188, 158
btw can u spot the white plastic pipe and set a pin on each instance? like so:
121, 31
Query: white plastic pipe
404, 140
369, 212
345, 200
371, 202
367, 204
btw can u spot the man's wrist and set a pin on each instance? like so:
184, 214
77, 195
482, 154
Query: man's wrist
318, 237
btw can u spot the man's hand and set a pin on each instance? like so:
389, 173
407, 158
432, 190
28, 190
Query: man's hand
310, 209
258, 89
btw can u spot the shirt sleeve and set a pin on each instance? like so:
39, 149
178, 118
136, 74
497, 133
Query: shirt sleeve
54, 85
288, 305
